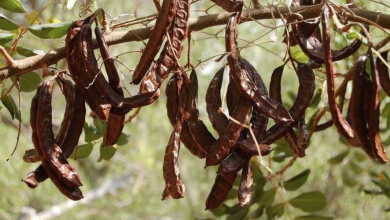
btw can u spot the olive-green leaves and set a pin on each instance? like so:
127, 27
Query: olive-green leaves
10, 104
297, 181
50, 31
13, 6
28, 81
7, 24
82, 151
309, 202
5, 38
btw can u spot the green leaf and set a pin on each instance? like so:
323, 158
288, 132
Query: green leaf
313, 217
268, 197
316, 98
33, 18
298, 55
50, 31
360, 156
348, 179
309, 202
275, 211
29, 52
297, 181
220, 211
7, 24
240, 214
5, 38
99, 124
28, 81
10, 104
373, 192
107, 152
123, 140
338, 158
91, 133
82, 151
257, 213
12, 5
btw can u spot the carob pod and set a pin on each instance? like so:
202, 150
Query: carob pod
314, 48
220, 190
197, 128
374, 114
341, 124
231, 133
229, 5
121, 105
357, 105
51, 152
219, 120
173, 182
245, 188
78, 73
305, 94
172, 50
160, 30
172, 106
240, 76
39, 175
275, 93
115, 123
383, 72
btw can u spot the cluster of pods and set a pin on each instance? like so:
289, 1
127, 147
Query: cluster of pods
242, 132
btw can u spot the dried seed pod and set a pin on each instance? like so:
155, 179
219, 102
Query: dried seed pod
163, 22
356, 106
172, 106
51, 152
374, 114
342, 126
197, 128
121, 105
171, 174
115, 123
383, 72
231, 133
172, 50
31, 156
76, 68
313, 47
229, 5
245, 188
217, 118
220, 190
240, 76
234, 162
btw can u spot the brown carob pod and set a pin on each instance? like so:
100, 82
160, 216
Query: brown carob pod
172, 106
160, 30
234, 162
374, 114
51, 152
229, 5
342, 126
383, 73
275, 93
357, 105
312, 46
77, 70
115, 123
31, 156
172, 50
197, 128
245, 188
121, 105
173, 183
220, 190
231, 133
240, 76
217, 118
41, 173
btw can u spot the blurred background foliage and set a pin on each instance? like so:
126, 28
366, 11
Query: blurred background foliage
334, 181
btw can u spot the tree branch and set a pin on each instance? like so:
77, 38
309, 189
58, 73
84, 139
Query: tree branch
196, 24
